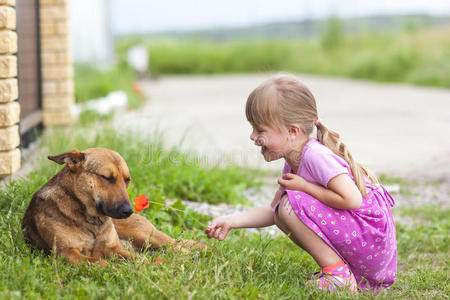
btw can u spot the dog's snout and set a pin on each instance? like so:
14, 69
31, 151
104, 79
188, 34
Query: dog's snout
121, 211
125, 210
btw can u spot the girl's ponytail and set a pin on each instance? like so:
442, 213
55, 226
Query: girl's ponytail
332, 140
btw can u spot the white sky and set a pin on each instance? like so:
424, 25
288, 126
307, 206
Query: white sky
151, 16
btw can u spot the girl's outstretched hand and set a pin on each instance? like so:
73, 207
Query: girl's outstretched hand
291, 181
219, 228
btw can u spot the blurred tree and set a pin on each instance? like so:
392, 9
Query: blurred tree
332, 34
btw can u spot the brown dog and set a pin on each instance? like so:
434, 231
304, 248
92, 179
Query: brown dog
84, 210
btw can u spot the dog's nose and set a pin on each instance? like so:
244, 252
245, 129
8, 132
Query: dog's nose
125, 210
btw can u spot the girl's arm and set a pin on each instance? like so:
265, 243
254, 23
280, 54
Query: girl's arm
253, 218
342, 192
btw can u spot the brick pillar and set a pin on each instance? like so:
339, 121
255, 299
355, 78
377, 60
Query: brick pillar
9, 107
56, 62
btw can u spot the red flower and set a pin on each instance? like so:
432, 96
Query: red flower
158, 261
140, 203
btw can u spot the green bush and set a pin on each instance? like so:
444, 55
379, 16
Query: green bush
418, 56
202, 57
332, 35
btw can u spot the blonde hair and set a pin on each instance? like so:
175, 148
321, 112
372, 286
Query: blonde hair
283, 100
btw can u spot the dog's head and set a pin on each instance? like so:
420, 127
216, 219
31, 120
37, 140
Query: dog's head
99, 177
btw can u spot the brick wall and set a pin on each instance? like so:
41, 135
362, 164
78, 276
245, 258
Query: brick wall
56, 75
56, 61
9, 107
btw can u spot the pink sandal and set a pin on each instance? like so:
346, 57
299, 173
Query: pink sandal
336, 277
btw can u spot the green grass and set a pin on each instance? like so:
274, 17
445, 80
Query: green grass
388, 180
417, 56
404, 186
242, 267
423, 249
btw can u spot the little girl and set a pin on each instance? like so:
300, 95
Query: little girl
327, 203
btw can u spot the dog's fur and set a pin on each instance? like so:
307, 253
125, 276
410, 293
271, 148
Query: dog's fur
84, 210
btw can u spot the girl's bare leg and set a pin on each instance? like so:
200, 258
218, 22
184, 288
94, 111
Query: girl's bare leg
299, 233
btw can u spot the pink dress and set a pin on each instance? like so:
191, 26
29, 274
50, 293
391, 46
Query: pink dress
363, 237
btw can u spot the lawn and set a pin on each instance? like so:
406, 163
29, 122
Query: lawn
245, 266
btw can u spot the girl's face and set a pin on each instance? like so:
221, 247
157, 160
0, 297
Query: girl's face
273, 142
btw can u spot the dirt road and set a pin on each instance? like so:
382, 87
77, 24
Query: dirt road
401, 130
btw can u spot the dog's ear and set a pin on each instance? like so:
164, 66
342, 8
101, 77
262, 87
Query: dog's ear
72, 159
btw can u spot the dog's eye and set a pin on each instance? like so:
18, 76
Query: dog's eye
109, 179
127, 180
